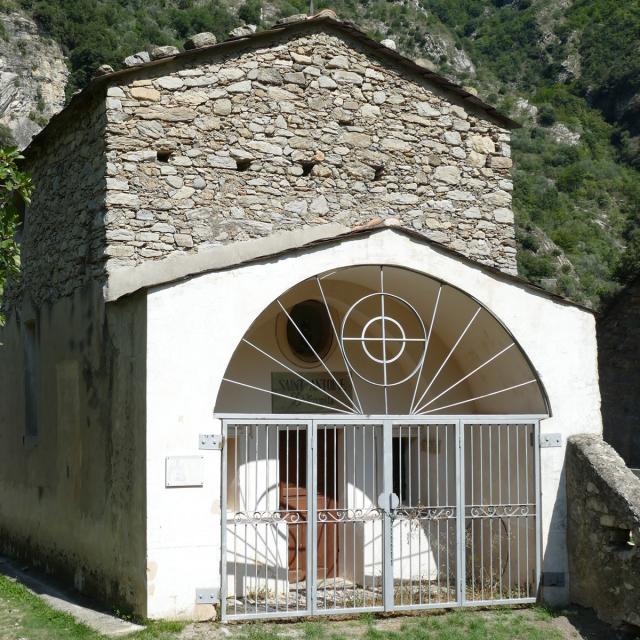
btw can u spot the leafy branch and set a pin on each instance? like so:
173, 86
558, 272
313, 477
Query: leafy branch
15, 191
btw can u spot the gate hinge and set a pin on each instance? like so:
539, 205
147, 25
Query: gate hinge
211, 441
208, 596
550, 440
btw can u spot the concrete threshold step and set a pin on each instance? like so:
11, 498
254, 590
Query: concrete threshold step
68, 601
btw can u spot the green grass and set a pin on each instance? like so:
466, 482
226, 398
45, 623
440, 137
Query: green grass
498, 624
24, 616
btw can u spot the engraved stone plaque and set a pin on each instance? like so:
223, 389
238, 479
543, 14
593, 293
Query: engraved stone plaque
184, 471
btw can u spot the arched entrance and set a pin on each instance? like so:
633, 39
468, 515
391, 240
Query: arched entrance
381, 451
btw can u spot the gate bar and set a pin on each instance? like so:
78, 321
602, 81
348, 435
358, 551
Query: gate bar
538, 501
223, 528
387, 533
311, 579
461, 542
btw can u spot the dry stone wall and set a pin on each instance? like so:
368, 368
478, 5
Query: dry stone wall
306, 130
63, 241
603, 531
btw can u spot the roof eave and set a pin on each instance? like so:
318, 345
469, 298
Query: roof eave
304, 240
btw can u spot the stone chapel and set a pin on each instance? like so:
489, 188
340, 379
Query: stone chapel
269, 354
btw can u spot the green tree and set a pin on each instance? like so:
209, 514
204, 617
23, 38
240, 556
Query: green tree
628, 266
15, 191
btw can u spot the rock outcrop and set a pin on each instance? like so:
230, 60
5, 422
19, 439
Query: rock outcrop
33, 76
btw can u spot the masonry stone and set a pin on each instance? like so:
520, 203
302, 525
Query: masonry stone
243, 31
447, 173
169, 82
452, 138
427, 109
499, 162
482, 144
476, 159
163, 51
199, 40
240, 87
348, 77
145, 93
503, 215
137, 58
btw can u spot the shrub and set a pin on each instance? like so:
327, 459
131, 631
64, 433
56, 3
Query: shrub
547, 116
250, 12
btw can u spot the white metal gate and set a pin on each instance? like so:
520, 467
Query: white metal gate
327, 515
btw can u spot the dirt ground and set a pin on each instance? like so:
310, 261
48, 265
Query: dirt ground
575, 623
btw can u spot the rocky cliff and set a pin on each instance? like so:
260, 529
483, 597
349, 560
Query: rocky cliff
33, 76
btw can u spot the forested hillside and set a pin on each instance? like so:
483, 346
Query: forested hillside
569, 70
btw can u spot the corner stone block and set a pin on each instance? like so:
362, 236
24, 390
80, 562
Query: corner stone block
503, 216
499, 162
482, 144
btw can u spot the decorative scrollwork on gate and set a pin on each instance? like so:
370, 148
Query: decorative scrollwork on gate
500, 510
272, 517
424, 513
350, 515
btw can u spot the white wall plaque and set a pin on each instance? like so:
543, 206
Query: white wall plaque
184, 471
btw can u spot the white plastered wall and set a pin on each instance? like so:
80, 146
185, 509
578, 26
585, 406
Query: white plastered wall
194, 327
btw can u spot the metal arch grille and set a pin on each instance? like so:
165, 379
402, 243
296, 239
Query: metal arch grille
391, 355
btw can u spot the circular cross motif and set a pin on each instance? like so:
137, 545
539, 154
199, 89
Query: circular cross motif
385, 358
390, 337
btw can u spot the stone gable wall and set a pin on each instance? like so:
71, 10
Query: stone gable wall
63, 240
308, 131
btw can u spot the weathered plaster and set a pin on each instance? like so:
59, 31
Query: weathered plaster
72, 497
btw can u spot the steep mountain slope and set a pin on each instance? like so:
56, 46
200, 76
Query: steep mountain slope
33, 75
567, 69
